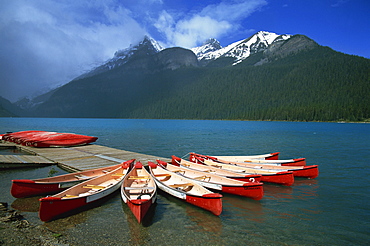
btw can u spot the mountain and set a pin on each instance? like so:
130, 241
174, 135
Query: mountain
7, 109
146, 47
241, 50
264, 77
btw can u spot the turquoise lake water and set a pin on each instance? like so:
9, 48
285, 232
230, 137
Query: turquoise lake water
332, 209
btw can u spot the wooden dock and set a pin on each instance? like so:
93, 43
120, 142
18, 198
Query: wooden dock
78, 158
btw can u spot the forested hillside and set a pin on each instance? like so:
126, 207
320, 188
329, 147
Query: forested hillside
318, 85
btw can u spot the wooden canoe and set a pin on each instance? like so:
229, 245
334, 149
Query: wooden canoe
252, 190
139, 191
51, 185
270, 176
310, 172
82, 194
186, 189
221, 172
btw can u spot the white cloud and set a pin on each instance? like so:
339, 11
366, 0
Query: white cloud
47, 43
213, 21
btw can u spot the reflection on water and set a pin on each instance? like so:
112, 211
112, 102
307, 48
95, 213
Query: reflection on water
29, 204
204, 221
138, 233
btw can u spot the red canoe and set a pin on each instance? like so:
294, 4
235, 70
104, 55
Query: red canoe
288, 162
82, 194
139, 191
211, 181
221, 172
51, 185
14, 136
270, 176
186, 189
48, 139
310, 172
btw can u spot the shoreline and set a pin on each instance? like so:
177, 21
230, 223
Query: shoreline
15, 229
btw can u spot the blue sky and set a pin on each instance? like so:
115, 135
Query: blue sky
46, 43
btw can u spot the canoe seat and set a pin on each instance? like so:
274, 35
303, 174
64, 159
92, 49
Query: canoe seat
138, 177
139, 188
165, 176
181, 185
139, 191
69, 196
203, 178
98, 187
179, 171
218, 166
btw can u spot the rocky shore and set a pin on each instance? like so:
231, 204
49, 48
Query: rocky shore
16, 230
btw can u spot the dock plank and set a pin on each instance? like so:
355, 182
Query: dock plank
85, 157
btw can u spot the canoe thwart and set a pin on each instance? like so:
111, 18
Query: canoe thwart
94, 187
163, 175
117, 175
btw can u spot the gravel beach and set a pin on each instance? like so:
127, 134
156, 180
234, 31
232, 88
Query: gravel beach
16, 230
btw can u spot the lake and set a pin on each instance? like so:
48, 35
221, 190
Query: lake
332, 209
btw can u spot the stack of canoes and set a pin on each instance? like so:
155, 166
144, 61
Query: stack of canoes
274, 171
42, 139
197, 182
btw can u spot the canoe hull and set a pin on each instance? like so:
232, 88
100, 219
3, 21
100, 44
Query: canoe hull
26, 188
140, 207
282, 178
310, 172
54, 207
211, 202
254, 192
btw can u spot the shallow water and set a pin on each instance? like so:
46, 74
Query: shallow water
332, 209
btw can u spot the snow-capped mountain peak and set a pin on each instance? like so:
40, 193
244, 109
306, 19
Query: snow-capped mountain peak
147, 46
211, 45
242, 49
148, 43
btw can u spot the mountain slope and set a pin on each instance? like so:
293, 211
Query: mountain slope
265, 77
7, 109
